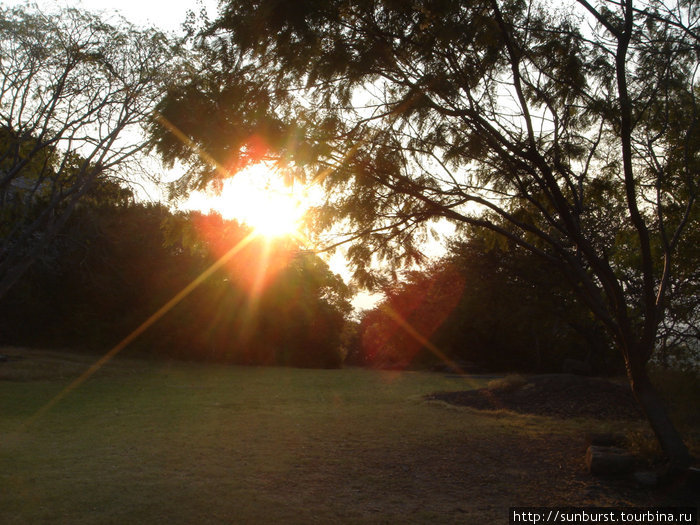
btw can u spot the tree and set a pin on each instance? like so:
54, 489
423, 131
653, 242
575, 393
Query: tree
485, 305
303, 313
489, 306
271, 304
75, 93
573, 133
118, 261
406, 321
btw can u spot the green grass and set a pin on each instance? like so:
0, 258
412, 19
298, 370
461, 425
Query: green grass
150, 442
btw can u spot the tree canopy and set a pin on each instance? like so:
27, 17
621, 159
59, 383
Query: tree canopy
76, 92
572, 132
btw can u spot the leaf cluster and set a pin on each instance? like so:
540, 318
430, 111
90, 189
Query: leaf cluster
570, 132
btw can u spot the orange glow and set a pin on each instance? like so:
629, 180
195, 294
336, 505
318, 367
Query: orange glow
257, 264
259, 197
403, 323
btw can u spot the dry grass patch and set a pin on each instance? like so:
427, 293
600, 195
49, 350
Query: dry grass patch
149, 442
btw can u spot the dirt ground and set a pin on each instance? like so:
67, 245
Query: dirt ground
557, 395
565, 396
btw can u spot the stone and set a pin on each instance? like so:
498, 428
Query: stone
608, 461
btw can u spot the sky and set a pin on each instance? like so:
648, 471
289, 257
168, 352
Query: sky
166, 15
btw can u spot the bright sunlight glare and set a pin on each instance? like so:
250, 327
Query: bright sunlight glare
258, 197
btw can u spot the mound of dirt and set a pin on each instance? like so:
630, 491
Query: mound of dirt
557, 395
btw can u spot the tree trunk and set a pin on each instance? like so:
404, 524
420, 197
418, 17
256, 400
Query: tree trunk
653, 407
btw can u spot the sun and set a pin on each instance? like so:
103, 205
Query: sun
258, 197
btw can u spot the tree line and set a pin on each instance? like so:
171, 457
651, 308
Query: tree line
485, 308
118, 261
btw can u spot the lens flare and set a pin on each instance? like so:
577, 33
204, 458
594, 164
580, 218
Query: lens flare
259, 197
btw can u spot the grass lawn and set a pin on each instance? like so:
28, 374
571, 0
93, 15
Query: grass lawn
156, 442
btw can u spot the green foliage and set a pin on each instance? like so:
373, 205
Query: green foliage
119, 262
519, 313
503, 116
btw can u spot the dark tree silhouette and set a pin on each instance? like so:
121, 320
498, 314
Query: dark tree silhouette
75, 95
572, 133
485, 306
117, 262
